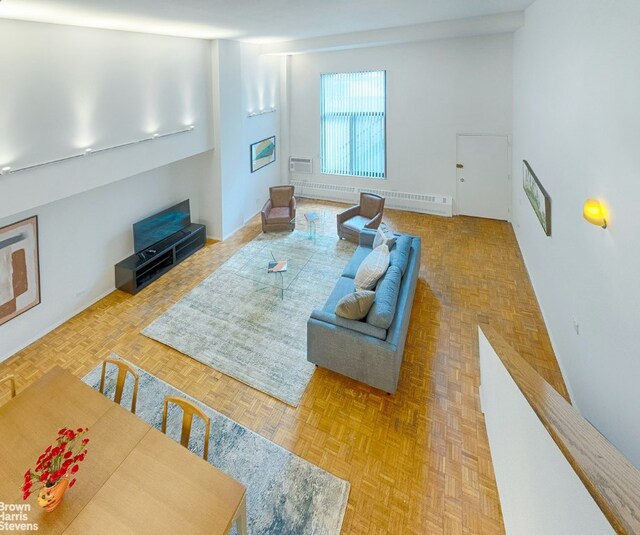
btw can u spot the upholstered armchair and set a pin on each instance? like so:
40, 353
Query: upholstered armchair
367, 214
279, 212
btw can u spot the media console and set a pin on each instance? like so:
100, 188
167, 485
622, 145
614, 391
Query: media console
141, 269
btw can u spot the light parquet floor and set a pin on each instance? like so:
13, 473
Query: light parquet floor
418, 461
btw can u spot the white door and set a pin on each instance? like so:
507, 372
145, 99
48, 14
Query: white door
483, 187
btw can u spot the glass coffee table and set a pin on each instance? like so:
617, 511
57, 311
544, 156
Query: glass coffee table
278, 268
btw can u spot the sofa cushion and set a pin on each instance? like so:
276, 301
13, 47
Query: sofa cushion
281, 195
372, 268
356, 223
399, 255
279, 215
343, 287
384, 307
356, 305
384, 235
361, 327
351, 268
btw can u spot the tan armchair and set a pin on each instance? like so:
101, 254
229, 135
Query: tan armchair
367, 214
279, 212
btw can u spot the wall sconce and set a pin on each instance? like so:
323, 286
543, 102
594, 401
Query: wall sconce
594, 213
88, 151
262, 111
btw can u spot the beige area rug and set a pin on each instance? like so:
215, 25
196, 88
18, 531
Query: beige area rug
236, 321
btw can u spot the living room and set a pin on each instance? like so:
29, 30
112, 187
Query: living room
553, 77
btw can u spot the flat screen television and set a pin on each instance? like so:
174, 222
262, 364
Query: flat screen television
160, 226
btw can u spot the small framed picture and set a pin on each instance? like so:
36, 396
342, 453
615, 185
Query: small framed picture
19, 268
538, 197
263, 153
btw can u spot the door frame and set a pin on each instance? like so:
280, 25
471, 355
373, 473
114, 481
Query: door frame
456, 210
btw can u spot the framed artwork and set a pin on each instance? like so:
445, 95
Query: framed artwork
19, 268
263, 153
538, 196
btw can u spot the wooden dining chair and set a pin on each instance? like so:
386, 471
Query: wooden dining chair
123, 369
189, 409
11, 381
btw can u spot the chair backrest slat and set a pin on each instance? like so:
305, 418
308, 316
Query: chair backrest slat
123, 369
188, 410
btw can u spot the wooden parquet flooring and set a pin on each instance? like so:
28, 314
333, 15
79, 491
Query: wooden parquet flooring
418, 461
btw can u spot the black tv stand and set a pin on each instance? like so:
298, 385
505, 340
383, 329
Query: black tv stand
139, 270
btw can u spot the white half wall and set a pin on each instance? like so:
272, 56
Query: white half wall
576, 116
540, 493
82, 237
66, 88
435, 90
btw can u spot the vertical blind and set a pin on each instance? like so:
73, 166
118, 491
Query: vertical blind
352, 124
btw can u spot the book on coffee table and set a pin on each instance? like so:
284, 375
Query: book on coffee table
311, 217
277, 267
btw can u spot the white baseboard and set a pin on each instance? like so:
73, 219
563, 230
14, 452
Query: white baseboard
53, 326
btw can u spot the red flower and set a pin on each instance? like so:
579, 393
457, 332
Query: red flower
59, 459
73, 482
25, 496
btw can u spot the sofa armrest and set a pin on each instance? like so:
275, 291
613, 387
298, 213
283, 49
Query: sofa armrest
375, 222
348, 213
366, 237
358, 326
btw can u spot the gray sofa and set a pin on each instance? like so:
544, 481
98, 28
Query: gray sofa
370, 350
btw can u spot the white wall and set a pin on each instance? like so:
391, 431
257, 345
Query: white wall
576, 117
243, 81
540, 493
435, 90
66, 88
83, 236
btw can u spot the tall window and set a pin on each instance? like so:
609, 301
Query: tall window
352, 124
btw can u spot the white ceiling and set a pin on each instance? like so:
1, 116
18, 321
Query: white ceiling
260, 21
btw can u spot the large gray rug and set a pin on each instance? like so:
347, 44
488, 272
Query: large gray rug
235, 321
285, 494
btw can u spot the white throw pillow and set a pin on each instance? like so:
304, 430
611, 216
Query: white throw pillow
356, 305
384, 235
372, 268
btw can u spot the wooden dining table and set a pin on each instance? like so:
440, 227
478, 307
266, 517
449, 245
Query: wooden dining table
134, 478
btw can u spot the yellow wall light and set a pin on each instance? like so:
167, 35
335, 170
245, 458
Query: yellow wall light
594, 213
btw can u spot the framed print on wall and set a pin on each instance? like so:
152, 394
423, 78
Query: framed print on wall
19, 268
263, 153
538, 197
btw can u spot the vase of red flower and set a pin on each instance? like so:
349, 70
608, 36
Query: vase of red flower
56, 468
